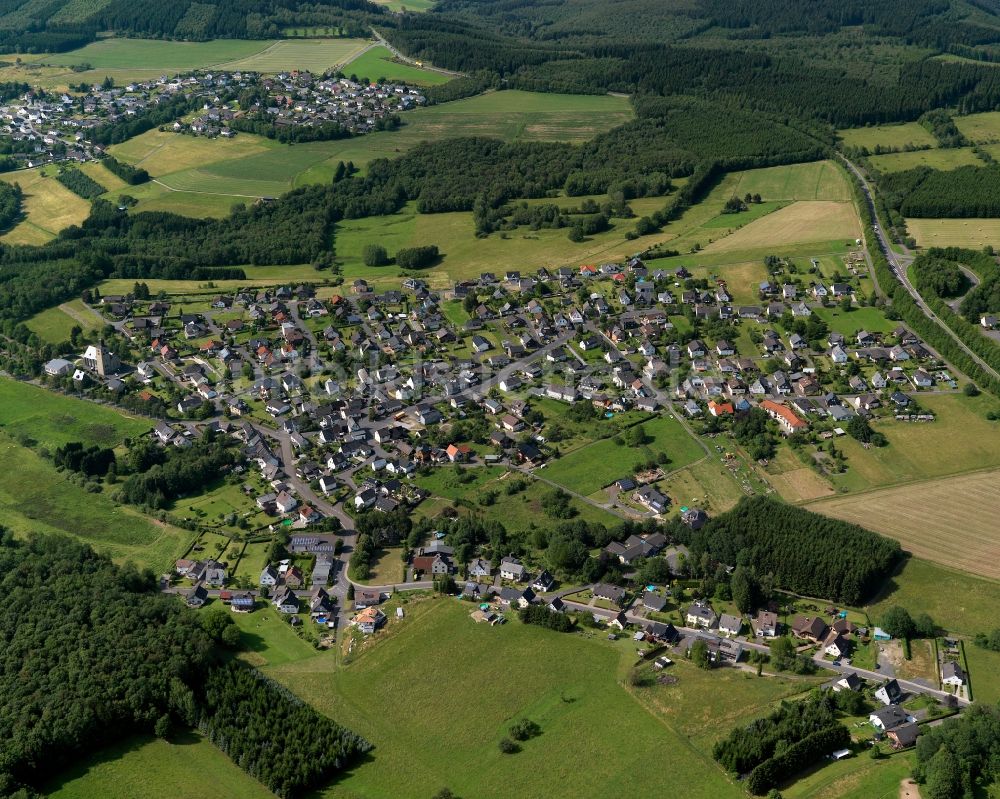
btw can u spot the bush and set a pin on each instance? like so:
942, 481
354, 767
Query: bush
374, 255
508, 747
524, 729
417, 257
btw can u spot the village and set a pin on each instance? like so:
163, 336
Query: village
43, 127
340, 397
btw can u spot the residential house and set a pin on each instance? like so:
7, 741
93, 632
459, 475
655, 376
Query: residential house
699, 615
765, 624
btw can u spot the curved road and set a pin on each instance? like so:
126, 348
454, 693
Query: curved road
898, 265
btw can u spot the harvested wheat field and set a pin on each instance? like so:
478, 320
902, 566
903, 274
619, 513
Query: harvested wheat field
951, 521
798, 223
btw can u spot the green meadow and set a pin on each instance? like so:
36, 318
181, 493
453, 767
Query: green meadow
596, 465
53, 419
377, 63
889, 136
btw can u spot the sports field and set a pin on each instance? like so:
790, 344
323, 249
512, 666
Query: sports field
377, 62
596, 465
48, 207
943, 158
951, 521
980, 128
974, 233
810, 221
892, 136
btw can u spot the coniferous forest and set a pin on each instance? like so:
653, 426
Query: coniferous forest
807, 553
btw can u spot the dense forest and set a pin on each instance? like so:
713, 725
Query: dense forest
805, 552
968, 191
91, 653
960, 757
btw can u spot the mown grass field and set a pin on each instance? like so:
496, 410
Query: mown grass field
850, 322
807, 221
121, 53
406, 5
378, 63
942, 158
143, 767
55, 324
951, 521
202, 177
48, 207
263, 56
596, 465
268, 640
980, 128
975, 233
900, 136
315, 55
163, 152
452, 712
818, 180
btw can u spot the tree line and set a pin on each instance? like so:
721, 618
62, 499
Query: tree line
80, 183
10, 204
272, 734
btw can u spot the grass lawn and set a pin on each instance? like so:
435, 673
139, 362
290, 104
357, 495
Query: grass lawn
143, 767
269, 641
36, 498
857, 777
984, 669
54, 419
388, 569
406, 5
48, 207
974, 233
599, 464
959, 602
378, 63
450, 713
850, 322
945, 158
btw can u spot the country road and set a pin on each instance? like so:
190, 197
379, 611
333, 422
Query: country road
898, 265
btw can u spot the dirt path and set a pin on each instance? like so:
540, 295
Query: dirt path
908, 789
